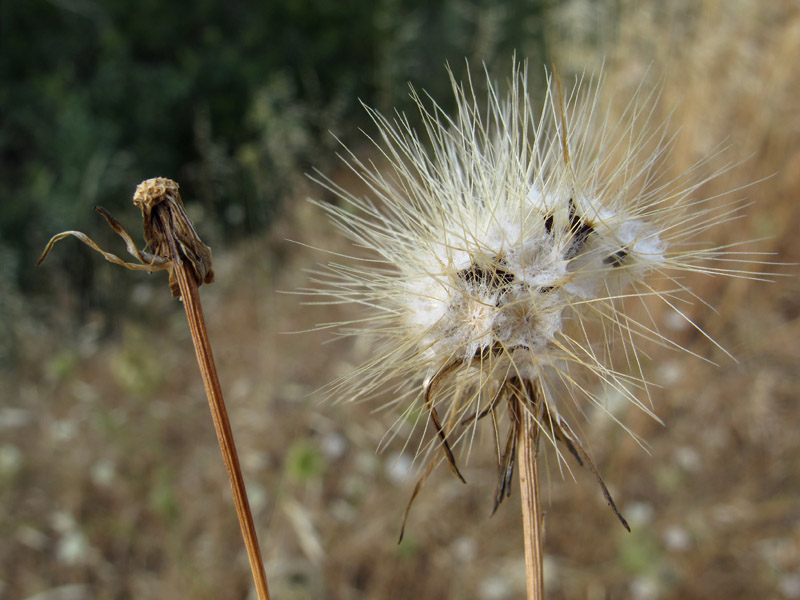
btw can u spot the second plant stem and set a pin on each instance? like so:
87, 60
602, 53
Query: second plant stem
527, 452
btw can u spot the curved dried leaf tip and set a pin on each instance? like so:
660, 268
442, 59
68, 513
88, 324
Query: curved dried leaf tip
168, 231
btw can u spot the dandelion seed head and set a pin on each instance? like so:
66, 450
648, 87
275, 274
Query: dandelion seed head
498, 234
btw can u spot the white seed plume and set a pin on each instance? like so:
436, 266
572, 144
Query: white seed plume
504, 243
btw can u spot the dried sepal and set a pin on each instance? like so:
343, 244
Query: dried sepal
147, 261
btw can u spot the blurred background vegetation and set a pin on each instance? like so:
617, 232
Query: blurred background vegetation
235, 100
110, 479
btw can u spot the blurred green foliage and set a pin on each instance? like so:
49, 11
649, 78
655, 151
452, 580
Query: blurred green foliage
232, 99
304, 462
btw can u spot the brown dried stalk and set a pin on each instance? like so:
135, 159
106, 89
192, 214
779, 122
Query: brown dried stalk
176, 247
528, 431
528, 416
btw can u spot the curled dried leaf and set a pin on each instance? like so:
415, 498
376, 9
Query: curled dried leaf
149, 262
168, 232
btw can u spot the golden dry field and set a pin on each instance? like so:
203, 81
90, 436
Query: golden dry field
111, 481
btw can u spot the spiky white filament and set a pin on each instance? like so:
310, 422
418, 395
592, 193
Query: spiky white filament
500, 234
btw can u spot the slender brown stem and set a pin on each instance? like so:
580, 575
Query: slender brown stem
527, 452
175, 246
205, 358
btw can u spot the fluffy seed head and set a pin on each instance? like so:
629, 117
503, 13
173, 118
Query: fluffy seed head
503, 241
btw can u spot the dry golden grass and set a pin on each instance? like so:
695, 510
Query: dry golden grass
110, 478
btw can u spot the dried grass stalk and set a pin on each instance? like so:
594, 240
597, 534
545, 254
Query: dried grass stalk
176, 247
527, 468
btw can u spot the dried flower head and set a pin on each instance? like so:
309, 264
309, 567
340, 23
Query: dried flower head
505, 242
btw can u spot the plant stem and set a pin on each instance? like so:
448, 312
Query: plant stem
527, 452
175, 246
194, 313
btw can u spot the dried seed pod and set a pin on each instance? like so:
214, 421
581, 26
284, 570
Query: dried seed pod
165, 220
